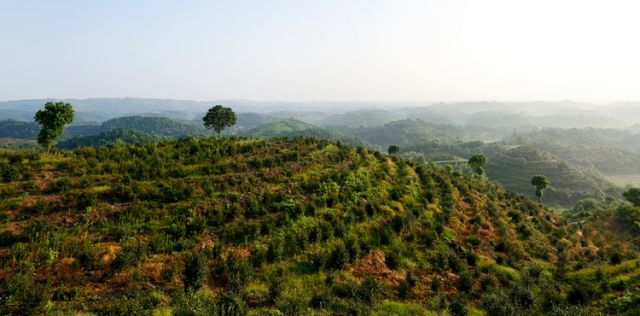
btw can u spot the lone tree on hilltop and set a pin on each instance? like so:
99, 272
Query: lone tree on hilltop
393, 149
53, 119
541, 183
477, 163
219, 117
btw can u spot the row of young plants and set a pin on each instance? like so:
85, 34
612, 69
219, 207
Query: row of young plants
302, 226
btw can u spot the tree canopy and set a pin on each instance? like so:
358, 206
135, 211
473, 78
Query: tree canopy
53, 119
219, 117
477, 163
541, 183
393, 149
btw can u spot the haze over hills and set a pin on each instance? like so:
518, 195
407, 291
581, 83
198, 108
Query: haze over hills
563, 114
348, 158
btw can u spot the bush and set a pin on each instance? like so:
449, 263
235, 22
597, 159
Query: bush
133, 251
61, 186
339, 257
196, 270
22, 295
498, 304
276, 284
86, 255
393, 259
292, 303
436, 284
465, 282
403, 289
193, 304
615, 258
135, 304
369, 289
231, 304
458, 307
238, 273
320, 301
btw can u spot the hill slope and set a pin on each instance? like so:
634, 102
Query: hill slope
513, 166
610, 151
110, 137
274, 226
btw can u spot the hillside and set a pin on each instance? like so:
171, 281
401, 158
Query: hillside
275, 226
285, 127
158, 126
291, 128
610, 151
513, 166
18, 129
403, 133
111, 137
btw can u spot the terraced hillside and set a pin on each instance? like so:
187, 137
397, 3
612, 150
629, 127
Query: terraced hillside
296, 227
513, 166
609, 151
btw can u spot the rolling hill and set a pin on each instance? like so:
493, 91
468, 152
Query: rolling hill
237, 226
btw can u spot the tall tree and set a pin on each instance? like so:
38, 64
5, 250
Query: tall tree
53, 119
541, 183
393, 149
219, 117
477, 163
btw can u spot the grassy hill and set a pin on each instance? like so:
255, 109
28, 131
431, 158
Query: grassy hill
276, 226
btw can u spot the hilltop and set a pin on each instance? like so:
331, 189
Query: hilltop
264, 225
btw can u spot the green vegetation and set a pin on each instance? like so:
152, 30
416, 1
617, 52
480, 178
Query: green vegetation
541, 183
218, 118
110, 137
609, 151
158, 126
279, 226
10, 143
403, 133
513, 166
283, 128
477, 163
18, 129
393, 149
53, 119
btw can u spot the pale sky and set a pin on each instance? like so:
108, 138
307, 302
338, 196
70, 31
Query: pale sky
394, 50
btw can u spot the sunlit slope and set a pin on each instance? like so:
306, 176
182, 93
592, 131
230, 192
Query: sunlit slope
297, 226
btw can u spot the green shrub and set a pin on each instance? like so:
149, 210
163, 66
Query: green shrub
465, 282
339, 257
196, 270
133, 251
231, 304
22, 294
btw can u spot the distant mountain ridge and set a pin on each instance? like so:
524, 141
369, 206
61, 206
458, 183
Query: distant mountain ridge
354, 114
